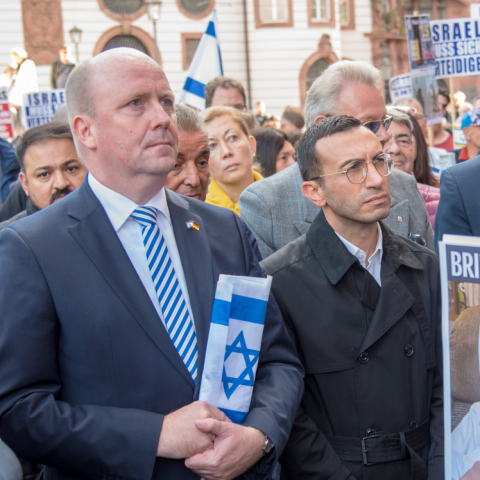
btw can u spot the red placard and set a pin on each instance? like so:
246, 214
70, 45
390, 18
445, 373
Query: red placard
6, 122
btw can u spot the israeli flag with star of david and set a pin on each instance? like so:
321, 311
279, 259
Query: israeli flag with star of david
234, 341
206, 65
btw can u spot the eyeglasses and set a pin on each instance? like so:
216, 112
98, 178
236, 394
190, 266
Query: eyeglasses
357, 170
374, 126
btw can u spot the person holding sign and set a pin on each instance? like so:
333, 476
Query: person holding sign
120, 288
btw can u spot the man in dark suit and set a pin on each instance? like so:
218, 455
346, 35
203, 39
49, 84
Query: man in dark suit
106, 300
458, 212
363, 308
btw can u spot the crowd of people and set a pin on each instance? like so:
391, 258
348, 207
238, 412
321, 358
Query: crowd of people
137, 204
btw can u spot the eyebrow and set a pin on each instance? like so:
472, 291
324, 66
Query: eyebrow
64, 164
203, 152
344, 164
403, 135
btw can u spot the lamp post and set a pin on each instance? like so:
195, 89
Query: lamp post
76, 37
386, 69
153, 11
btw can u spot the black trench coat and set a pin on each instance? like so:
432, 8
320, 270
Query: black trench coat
373, 358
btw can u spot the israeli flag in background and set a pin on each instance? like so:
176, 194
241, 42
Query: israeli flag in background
206, 65
234, 341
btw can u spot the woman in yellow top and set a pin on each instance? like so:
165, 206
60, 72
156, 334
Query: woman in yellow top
231, 157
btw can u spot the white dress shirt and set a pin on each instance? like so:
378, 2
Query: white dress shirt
118, 209
375, 261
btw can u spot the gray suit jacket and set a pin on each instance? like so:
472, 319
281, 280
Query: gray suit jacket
277, 212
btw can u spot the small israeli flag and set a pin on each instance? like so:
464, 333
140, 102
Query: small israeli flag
206, 65
234, 341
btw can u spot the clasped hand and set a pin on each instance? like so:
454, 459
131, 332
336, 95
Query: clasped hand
213, 446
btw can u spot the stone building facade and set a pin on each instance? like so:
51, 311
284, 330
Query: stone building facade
289, 41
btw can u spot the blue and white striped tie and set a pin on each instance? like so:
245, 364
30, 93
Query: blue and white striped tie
174, 308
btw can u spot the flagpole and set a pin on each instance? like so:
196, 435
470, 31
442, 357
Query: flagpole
247, 54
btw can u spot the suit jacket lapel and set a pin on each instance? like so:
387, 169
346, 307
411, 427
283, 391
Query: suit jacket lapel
98, 239
194, 249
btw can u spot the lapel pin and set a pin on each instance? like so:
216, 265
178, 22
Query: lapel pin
399, 219
191, 224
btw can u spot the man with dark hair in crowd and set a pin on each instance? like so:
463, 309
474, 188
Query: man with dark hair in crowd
191, 173
61, 69
292, 120
224, 91
363, 308
275, 209
50, 167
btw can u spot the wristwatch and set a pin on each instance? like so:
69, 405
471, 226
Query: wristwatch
267, 446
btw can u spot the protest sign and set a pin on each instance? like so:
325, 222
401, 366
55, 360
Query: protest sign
400, 87
422, 66
456, 45
39, 107
6, 118
460, 281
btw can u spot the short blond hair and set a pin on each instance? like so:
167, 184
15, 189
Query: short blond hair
216, 112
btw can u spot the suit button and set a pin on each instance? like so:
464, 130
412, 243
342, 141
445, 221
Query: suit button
413, 424
364, 357
409, 350
371, 432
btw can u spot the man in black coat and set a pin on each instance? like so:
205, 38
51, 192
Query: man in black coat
363, 308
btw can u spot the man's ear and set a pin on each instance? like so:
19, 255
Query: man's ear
314, 192
23, 180
83, 129
320, 117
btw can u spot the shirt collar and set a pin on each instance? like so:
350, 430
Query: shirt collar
119, 208
354, 250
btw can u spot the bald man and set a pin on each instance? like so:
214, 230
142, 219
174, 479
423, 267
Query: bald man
102, 344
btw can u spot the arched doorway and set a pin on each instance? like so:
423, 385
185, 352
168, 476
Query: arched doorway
126, 35
315, 65
315, 71
129, 41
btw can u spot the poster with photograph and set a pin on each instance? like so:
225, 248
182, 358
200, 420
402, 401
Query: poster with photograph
422, 66
425, 90
460, 275
420, 44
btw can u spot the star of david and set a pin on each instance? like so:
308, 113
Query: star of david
230, 384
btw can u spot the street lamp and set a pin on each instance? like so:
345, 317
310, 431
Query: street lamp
386, 68
76, 37
153, 11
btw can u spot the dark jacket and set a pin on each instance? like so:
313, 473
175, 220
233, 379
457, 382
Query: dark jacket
372, 356
87, 391
459, 207
10, 168
15, 203
31, 209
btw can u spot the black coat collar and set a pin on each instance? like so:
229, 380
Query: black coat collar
336, 260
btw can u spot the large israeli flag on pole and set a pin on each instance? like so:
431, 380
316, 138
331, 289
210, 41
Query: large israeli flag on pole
206, 65
234, 341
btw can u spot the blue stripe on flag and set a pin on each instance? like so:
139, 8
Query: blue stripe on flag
235, 417
220, 312
195, 87
211, 29
248, 309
